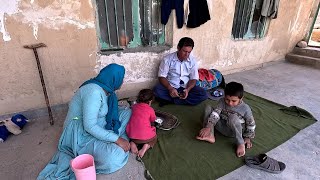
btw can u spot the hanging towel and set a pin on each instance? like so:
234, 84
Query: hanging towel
199, 13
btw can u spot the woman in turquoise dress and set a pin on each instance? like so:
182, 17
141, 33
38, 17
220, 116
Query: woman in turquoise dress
94, 125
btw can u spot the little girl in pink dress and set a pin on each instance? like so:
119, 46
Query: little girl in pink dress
139, 128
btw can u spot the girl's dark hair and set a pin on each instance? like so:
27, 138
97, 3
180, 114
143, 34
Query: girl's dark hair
234, 89
145, 95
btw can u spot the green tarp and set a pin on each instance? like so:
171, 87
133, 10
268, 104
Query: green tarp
178, 155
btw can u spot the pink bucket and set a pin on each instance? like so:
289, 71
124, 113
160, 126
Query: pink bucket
83, 167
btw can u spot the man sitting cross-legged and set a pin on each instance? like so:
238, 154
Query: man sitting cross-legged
178, 74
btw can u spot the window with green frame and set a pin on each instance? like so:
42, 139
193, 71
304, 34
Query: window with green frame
129, 24
248, 22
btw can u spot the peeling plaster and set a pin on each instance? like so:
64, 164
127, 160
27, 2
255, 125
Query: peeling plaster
226, 57
54, 16
90, 3
7, 8
233, 56
298, 25
295, 25
35, 31
140, 67
209, 2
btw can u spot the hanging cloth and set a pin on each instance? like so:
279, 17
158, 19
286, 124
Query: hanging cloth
167, 6
269, 8
199, 13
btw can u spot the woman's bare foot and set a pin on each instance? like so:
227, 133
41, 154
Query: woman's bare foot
241, 150
210, 138
143, 150
133, 148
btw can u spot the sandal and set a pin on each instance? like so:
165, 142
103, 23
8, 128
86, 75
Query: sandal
217, 93
265, 163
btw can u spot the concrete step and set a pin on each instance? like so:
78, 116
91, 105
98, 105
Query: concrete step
303, 60
308, 51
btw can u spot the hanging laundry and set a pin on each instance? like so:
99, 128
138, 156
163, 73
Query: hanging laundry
269, 8
167, 6
198, 13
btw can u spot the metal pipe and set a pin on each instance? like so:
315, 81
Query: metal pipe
257, 30
108, 27
116, 20
244, 10
151, 29
158, 21
124, 18
144, 22
236, 18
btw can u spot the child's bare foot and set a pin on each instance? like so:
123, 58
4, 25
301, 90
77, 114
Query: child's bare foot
248, 143
210, 138
144, 149
133, 148
205, 134
241, 150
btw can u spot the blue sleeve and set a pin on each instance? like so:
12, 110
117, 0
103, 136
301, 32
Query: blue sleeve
91, 104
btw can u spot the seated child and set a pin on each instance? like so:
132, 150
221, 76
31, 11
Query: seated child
139, 128
232, 117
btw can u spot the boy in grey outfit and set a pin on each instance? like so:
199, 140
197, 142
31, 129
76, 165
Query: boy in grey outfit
232, 117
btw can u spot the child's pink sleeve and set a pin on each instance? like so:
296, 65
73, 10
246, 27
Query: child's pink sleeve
153, 116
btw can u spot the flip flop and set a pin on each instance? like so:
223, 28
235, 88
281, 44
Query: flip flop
265, 163
215, 94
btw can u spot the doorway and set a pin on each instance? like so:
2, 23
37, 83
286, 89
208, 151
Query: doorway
314, 35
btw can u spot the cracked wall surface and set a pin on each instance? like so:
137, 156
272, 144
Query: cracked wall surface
68, 28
